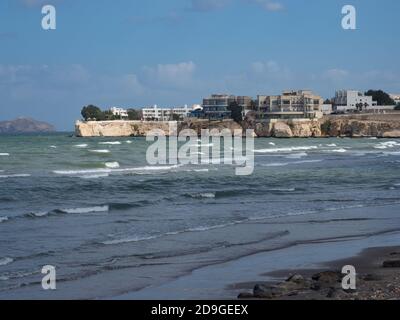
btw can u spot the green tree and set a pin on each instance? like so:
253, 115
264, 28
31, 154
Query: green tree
176, 117
397, 106
92, 112
236, 112
381, 97
134, 114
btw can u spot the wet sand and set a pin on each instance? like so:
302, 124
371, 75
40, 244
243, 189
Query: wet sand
378, 278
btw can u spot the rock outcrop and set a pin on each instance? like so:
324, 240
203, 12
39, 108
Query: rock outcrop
348, 127
142, 128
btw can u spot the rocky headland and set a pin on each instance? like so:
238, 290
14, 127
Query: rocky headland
353, 126
25, 125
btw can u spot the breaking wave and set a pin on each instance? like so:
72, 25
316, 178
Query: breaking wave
289, 149
6, 261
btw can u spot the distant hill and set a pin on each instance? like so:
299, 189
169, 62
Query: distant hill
25, 125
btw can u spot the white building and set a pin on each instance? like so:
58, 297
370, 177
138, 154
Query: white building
351, 100
327, 109
156, 113
119, 112
396, 98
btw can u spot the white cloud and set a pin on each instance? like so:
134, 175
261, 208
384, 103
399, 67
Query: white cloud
169, 75
268, 5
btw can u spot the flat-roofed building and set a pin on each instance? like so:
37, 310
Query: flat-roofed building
352, 100
119, 112
301, 104
156, 113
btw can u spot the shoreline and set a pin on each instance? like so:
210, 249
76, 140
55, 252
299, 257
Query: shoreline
378, 278
229, 279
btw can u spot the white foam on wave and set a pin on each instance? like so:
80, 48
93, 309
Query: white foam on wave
297, 155
109, 170
283, 189
95, 176
82, 172
332, 145
288, 149
53, 147
86, 210
341, 150
4, 154
205, 195
128, 240
6, 261
128, 141
272, 144
84, 145
392, 153
112, 165
15, 176
112, 143
3, 219
100, 151
284, 164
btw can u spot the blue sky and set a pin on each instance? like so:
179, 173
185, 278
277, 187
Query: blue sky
135, 53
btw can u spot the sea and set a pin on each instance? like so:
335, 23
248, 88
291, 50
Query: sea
112, 225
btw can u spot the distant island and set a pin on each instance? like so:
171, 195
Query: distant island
25, 125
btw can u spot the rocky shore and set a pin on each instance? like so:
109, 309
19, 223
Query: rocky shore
354, 126
378, 278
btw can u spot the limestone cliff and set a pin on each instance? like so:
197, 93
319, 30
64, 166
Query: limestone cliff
381, 126
120, 128
141, 128
350, 127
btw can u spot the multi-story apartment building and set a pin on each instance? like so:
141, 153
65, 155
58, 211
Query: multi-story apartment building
290, 105
351, 100
156, 113
216, 106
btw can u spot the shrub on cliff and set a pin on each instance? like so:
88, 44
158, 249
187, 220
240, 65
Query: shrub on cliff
326, 127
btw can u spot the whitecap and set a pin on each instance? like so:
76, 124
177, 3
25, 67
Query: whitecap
81, 172
128, 240
86, 210
339, 150
331, 145
95, 176
40, 214
272, 144
205, 195
6, 261
3, 219
4, 154
110, 143
15, 176
297, 155
100, 151
84, 145
289, 149
283, 189
112, 165
53, 147
128, 141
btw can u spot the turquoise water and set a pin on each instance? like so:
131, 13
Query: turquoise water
112, 224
